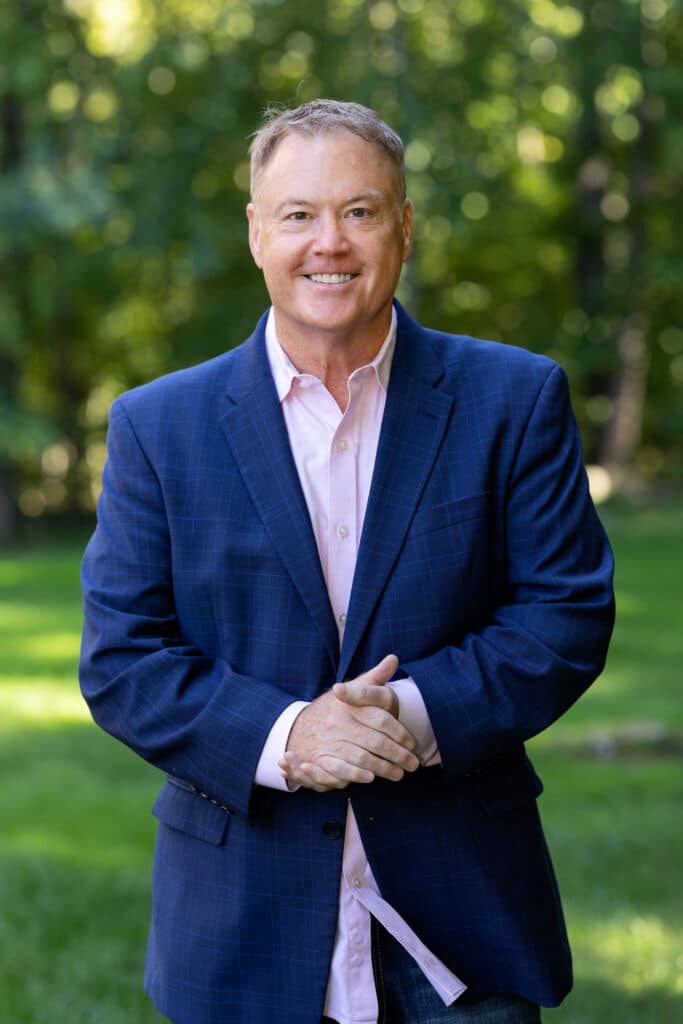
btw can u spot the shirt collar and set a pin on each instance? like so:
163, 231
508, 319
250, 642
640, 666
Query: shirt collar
285, 372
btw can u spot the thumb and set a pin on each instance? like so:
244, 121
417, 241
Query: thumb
381, 672
353, 691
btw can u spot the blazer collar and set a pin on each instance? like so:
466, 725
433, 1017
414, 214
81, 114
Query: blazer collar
255, 430
415, 419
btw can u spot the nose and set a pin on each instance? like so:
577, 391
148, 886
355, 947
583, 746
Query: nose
330, 236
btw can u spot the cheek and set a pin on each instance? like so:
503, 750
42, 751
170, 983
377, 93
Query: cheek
281, 255
278, 276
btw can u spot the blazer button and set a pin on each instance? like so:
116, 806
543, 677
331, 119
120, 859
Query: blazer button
333, 829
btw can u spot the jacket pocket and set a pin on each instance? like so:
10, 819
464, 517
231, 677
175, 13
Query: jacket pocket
179, 807
449, 514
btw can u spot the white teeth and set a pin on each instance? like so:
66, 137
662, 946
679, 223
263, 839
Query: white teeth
330, 278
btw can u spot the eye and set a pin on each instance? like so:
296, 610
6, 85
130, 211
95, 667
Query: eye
359, 212
297, 215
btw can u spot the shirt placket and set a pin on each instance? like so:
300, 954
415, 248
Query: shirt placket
343, 534
342, 522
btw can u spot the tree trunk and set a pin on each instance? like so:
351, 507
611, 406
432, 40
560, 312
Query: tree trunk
10, 158
623, 432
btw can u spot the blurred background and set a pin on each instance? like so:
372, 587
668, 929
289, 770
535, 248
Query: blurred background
544, 146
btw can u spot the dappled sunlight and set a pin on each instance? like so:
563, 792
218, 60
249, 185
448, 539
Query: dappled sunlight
39, 704
45, 612
17, 616
632, 951
50, 647
116, 28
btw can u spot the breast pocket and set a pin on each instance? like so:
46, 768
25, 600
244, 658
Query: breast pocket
449, 514
179, 807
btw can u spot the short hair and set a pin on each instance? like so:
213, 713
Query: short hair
319, 117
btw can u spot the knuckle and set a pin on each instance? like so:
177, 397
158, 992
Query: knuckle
401, 737
363, 759
377, 717
384, 747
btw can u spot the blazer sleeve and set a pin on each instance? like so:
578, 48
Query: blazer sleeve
547, 640
190, 715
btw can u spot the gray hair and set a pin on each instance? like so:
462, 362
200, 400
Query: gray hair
319, 117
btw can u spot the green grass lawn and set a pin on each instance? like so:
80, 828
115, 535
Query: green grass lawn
76, 834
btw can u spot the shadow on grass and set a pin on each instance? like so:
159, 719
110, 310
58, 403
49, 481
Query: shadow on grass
594, 1002
72, 942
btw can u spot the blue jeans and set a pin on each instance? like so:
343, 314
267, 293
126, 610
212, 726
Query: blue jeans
406, 997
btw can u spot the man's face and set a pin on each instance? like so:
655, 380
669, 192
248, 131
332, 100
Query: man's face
330, 233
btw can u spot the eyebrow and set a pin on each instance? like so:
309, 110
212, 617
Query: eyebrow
290, 202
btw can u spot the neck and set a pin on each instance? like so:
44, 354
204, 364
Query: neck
332, 356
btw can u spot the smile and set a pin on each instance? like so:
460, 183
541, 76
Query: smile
330, 278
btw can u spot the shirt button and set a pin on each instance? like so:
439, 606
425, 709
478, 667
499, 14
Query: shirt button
341, 445
343, 531
355, 961
333, 829
357, 883
342, 618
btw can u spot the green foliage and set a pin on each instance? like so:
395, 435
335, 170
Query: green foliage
544, 147
77, 836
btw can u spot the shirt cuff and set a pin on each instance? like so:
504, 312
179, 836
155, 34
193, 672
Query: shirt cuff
413, 714
268, 772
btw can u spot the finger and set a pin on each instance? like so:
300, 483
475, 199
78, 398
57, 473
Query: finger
346, 769
324, 771
291, 765
355, 760
382, 746
381, 672
374, 752
383, 722
364, 695
290, 761
318, 778
313, 776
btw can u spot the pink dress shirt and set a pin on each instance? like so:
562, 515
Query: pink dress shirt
335, 457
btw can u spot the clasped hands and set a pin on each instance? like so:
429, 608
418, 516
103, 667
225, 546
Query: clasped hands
350, 734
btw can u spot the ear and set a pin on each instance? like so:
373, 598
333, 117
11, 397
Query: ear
407, 224
254, 234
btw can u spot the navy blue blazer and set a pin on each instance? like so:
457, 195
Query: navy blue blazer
482, 565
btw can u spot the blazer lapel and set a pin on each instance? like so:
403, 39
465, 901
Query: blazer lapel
415, 419
255, 431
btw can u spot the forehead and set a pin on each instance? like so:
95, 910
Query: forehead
326, 163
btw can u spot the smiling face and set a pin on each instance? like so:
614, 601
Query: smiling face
330, 232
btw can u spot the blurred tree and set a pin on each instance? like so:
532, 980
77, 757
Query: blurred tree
544, 143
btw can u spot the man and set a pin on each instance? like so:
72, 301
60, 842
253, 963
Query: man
346, 496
